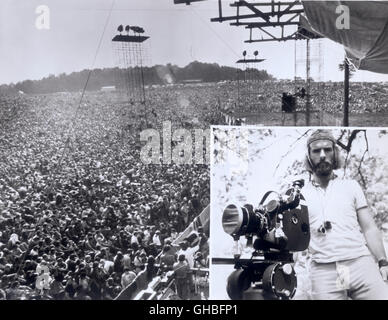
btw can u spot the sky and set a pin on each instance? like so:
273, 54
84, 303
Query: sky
178, 34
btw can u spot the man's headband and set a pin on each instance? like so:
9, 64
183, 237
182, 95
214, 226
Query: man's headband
321, 134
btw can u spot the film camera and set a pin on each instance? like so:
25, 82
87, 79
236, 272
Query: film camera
273, 230
289, 102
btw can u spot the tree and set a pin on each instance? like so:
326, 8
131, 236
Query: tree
352, 69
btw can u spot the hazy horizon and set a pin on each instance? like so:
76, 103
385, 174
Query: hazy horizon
180, 66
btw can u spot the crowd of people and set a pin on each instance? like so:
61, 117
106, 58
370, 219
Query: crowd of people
265, 96
81, 215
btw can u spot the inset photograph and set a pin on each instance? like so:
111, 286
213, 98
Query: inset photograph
298, 213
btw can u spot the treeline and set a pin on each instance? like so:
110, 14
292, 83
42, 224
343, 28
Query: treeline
159, 74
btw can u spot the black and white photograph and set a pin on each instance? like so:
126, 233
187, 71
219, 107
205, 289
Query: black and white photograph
299, 213
86, 212
106, 108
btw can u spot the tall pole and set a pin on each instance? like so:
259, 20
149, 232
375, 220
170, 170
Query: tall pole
346, 94
238, 86
295, 65
308, 97
295, 86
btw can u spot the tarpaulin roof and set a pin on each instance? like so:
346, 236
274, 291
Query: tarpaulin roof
366, 39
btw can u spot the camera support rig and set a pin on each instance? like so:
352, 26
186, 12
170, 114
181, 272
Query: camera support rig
273, 230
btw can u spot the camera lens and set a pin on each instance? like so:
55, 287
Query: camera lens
240, 220
232, 219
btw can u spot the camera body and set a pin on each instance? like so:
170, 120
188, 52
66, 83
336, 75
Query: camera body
273, 230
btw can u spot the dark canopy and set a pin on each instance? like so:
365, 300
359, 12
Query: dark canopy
366, 40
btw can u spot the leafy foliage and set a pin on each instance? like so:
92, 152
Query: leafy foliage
370, 170
156, 75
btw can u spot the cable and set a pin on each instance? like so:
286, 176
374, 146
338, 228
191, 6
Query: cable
217, 35
71, 126
82, 95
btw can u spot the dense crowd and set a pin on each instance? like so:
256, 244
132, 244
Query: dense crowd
266, 96
80, 212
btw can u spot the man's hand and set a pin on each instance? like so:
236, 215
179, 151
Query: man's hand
384, 272
383, 266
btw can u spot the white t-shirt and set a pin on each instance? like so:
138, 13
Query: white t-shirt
386, 247
108, 265
338, 204
127, 278
189, 255
134, 239
14, 238
384, 231
156, 240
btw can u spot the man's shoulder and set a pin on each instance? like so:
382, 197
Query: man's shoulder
344, 179
348, 183
340, 181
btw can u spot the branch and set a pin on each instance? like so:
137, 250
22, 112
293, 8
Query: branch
270, 145
340, 138
346, 162
353, 135
290, 149
362, 159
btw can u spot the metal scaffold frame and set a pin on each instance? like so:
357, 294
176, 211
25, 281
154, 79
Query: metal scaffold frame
130, 52
276, 20
247, 78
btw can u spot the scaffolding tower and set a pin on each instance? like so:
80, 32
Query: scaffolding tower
130, 54
248, 82
309, 74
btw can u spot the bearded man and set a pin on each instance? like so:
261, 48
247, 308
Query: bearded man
347, 252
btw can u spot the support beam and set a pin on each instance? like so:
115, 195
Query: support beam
264, 24
266, 32
279, 39
220, 8
263, 4
296, 13
346, 94
258, 13
288, 9
186, 2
